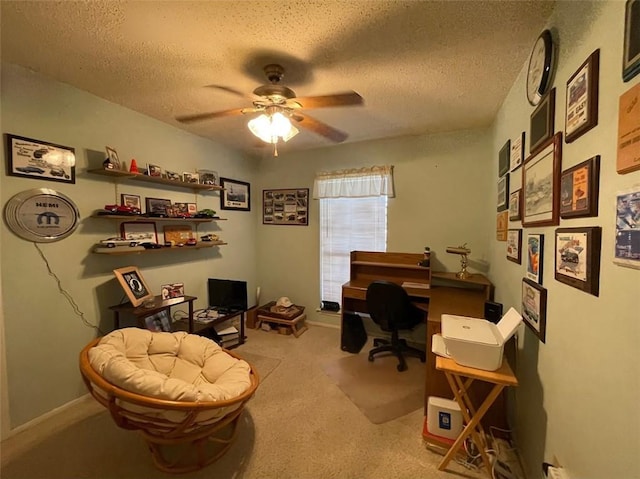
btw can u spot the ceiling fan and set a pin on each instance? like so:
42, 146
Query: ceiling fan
279, 106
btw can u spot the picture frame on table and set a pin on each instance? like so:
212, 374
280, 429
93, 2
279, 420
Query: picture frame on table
631, 52
541, 184
285, 207
208, 177
517, 152
158, 322
579, 187
504, 158
577, 257
627, 240
503, 193
40, 160
172, 290
144, 231
112, 162
541, 124
133, 284
515, 199
581, 111
236, 195
132, 201
534, 308
535, 257
514, 245
158, 206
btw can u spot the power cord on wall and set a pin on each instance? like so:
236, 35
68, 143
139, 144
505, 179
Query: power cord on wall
66, 294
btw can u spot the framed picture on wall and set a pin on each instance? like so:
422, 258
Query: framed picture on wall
514, 245
502, 223
534, 308
515, 198
503, 193
40, 160
503, 158
517, 152
628, 157
535, 257
285, 207
627, 239
631, 53
235, 195
577, 261
581, 112
579, 189
541, 125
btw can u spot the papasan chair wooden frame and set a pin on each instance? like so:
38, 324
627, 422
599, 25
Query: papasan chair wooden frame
190, 441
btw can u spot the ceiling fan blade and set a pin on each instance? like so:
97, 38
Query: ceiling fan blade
210, 115
233, 91
338, 99
319, 127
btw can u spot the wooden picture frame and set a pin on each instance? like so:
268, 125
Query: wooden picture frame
503, 193
514, 245
143, 231
515, 200
579, 187
581, 111
133, 284
504, 157
541, 184
517, 152
577, 257
628, 155
502, 223
158, 206
40, 160
236, 195
179, 234
631, 52
534, 308
627, 239
541, 124
535, 257
132, 201
285, 207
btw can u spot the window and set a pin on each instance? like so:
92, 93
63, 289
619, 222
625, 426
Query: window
353, 217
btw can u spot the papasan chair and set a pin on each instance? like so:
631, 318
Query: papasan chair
183, 392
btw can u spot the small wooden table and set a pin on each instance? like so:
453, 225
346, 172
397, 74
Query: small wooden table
460, 379
297, 324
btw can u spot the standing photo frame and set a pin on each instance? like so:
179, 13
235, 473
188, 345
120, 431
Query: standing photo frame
285, 207
40, 160
541, 184
112, 162
577, 257
541, 125
514, 245
158, 207
236, 195
631, 52
133, 284
504, 157
133, 201
515, 199
517, 152
534, 308
579, 187
503, 193
208, 177
581, 112
535, 257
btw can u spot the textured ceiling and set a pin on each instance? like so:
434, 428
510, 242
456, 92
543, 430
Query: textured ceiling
421, 66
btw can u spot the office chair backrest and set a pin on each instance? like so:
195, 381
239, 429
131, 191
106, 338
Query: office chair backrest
390, 307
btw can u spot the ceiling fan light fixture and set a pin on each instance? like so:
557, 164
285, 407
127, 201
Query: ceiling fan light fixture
272, 127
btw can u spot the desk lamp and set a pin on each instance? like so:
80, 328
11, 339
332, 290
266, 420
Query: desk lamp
463, 251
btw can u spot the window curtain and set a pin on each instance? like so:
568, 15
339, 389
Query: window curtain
355, 183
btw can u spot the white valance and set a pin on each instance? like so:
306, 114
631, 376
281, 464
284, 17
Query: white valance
355, 183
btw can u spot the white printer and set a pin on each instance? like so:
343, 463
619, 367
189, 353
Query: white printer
475, 342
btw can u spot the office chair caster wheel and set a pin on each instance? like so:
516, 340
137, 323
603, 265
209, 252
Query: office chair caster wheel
370, 358
401, 367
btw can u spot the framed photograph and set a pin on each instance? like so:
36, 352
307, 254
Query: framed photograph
627, 250
236, 195
502, 223
158, 206
541, 125
40, 160
144, 231
534, 308
504, 157
192, 208
173, 176
133, 284
209, 177
541, 184
515, 198
154, 170
179, 234
628, 157
133, 201
503, 193
285, 207
581, 112
112, 162
579, 189
517, 152
577, 258
631, 54
189, 177
514, 245
159, 321
173, 290
535, 257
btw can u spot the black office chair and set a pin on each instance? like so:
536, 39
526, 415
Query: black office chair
390, 307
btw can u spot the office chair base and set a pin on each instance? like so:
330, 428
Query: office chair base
398, 348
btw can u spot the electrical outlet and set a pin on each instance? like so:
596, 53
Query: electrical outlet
557, 473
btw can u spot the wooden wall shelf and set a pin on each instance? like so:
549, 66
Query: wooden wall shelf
152, 218
199, 245
118, 174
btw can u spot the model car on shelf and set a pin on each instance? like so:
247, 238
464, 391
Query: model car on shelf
119, 241
206, 213
191, 242
150, 245
209, 237
121, 210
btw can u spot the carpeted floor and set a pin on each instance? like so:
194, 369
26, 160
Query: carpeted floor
299, 424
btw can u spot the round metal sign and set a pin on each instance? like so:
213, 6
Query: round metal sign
42, 215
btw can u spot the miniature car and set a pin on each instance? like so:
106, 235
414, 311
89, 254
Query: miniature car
119, 241
30, 169
191, 242
122, 209
57, 171
184, 215
206, 213
150, 245
209, 237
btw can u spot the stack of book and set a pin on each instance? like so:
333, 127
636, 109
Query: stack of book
228, 334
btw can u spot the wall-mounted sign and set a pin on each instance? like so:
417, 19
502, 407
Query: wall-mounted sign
42, 215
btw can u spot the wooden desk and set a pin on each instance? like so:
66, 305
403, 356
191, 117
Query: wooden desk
158, 304
460, 379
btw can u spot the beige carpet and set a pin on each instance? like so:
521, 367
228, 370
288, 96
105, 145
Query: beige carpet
261, 364
377, 388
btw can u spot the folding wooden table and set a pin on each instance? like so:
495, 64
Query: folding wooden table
460, 379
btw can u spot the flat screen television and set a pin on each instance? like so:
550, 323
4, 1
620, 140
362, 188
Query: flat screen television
227, 295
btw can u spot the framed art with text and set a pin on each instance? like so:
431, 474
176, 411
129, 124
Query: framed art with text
577, 258
581, 112
40, 160
541, 184
503, 193
628, 158
514, 245
515, 199
627, 249
285, 207
236, 195
535, 257
534, 308
631, 54
502, 223
517, 152
579, 189
504, 157
541, 126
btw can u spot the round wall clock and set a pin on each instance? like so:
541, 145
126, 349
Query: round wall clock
42, 215
540, 71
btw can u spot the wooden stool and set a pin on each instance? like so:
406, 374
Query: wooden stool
297, 324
